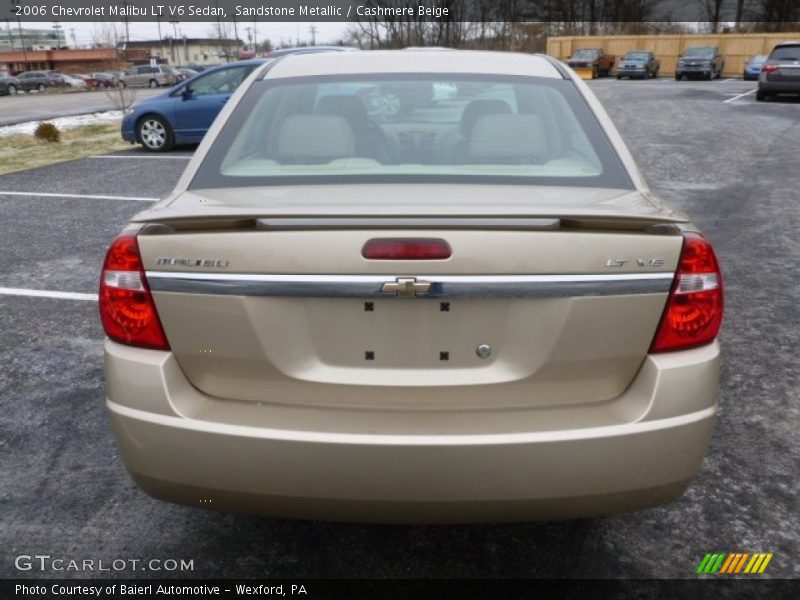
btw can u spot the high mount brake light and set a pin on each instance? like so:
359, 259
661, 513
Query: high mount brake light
127, 309
406, 249
693, 313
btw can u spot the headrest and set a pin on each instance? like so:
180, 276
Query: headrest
480, 108
314, 139
511, 138
347, 106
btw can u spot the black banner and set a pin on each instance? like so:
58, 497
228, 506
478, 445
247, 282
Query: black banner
555, 11
390, 589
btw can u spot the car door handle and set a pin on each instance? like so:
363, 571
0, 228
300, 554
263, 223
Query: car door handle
224, 100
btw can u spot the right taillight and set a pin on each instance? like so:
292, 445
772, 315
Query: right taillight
693, 314
126, 305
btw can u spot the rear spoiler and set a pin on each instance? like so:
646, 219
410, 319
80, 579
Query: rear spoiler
298, 223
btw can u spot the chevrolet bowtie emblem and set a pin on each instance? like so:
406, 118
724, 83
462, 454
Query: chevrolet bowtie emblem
406, 287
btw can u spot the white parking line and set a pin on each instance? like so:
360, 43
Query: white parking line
178, 157
739, 96
47, 294
79, 196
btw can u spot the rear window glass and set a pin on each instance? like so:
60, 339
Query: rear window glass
786, 53
412, 129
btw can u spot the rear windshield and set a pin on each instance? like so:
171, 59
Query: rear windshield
786, 53
412, 129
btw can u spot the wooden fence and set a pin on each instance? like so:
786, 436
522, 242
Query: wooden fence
737, 48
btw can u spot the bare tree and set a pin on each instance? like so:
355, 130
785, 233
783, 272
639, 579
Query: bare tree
222, 31
121, 97
106, 35
777, 15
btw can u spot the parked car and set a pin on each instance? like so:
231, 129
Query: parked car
752, 67
59, 77
39, 80
186, 73
88, 80
780, 73
700, 62
147, 76
183, 114
592, 62
73, 82
197, 68
640, 64
482, 318
9, 85
104, 79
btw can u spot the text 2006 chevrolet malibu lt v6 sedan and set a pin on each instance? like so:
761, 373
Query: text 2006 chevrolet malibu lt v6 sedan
472, 311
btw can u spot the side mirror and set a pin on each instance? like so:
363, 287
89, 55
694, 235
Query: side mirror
186, 92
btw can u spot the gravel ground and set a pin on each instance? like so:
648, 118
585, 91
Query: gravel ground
732, 165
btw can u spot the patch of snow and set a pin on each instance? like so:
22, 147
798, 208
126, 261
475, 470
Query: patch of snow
63, 123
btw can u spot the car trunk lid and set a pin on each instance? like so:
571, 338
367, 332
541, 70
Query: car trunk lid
538, 305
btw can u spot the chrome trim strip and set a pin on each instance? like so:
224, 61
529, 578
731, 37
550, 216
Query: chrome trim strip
443, 286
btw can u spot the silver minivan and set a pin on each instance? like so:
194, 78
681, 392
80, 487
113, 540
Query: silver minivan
149, 76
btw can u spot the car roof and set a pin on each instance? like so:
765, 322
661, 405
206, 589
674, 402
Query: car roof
309, 50
403, 61
236, 63
791, 43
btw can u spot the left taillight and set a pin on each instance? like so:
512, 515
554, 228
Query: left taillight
126, 305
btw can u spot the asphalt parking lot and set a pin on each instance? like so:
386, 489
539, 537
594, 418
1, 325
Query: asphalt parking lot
37, 106
708, 147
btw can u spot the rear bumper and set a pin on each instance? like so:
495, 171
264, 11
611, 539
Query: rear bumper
697, 72
779, 87
317, 473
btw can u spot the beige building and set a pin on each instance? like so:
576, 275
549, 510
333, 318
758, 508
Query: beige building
190, 51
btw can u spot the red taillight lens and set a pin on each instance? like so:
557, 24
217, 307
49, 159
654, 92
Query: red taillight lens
693, 314
126, 306
406, 249
769, 68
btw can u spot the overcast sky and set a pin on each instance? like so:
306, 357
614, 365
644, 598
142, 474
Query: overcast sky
275, 32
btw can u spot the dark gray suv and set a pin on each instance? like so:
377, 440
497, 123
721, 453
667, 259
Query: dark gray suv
700, 62
780, 74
